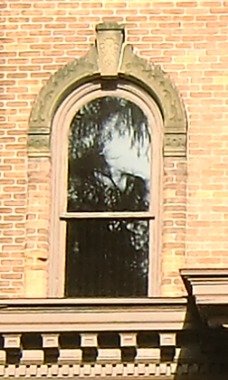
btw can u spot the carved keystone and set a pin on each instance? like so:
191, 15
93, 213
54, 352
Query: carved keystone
110, 37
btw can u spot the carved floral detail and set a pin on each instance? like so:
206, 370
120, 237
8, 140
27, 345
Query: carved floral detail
53, 92
175, 144
159, 84
37, 142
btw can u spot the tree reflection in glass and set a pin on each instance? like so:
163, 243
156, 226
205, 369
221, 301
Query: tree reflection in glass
108, 171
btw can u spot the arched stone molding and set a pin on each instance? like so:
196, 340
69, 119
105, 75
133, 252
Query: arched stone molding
108, 59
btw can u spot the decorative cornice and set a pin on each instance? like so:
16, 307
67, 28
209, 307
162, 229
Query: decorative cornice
50, 321
207, 285
109, 58
69, 338
107, 315
209, 288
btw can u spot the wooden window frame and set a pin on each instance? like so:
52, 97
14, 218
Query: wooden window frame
59, 143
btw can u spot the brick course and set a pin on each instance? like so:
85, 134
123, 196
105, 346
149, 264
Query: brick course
189, 39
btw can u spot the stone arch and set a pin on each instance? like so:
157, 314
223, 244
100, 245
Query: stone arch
109, 58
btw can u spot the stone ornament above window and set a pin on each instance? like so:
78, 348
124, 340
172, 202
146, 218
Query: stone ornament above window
109, 43
109, 59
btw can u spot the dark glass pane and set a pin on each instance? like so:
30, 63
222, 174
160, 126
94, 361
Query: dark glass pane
107, 258
109, 157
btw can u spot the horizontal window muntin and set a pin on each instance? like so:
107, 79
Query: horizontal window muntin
106, 215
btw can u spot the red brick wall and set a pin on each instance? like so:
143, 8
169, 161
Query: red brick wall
189, 39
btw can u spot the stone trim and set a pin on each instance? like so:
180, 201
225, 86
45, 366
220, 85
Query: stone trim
109, 58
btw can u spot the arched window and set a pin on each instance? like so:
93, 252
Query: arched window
109, 122
107, 161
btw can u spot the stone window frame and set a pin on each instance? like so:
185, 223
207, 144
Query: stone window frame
108, 59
